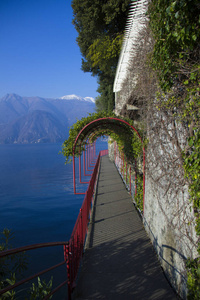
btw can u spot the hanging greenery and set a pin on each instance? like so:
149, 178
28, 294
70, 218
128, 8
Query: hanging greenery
176, 60
127, 140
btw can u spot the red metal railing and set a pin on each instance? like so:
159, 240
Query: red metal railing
33, 247
109, 120
123, 168
73, 249
125, 172
104, 152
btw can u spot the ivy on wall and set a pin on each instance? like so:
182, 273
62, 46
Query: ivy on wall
176, 60
192, 171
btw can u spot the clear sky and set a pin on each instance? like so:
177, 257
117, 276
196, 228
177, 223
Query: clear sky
39, 55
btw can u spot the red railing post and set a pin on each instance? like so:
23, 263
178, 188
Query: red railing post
80, 164
84, 162
81, 238
74, 179
95, 149
68, 272
87, 157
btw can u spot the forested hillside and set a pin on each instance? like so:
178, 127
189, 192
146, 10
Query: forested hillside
100, 25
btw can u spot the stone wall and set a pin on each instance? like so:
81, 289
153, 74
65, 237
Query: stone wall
171, 229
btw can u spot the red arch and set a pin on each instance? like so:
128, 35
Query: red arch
118, 121
103, 119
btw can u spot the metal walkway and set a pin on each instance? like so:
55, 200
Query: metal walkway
119, 261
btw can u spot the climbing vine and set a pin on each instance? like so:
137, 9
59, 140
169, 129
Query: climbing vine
175, 27
128, 142
175, 58
192, 171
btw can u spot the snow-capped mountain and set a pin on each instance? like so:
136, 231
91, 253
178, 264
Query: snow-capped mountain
75, 97
40, 120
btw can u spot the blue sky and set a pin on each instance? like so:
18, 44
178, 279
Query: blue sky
39, 55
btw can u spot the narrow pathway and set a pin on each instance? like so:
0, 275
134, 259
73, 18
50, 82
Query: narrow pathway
119, 262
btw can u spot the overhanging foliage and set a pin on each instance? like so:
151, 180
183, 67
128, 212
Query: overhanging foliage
101, 124
100, 25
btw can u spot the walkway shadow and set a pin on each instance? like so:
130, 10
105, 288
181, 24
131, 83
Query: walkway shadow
119, 270
119, 262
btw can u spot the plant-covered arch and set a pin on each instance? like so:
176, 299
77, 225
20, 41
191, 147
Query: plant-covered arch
96, 125
120, 130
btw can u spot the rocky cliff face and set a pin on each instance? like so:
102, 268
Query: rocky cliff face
40, 120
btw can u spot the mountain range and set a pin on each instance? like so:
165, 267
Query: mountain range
40, 120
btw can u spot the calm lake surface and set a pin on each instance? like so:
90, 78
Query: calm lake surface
37, 201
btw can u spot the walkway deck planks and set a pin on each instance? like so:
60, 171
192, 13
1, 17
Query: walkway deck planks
119, 262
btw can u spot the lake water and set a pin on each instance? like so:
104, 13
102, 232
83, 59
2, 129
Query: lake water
37, 201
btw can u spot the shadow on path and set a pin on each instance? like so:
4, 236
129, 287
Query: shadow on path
119, 262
